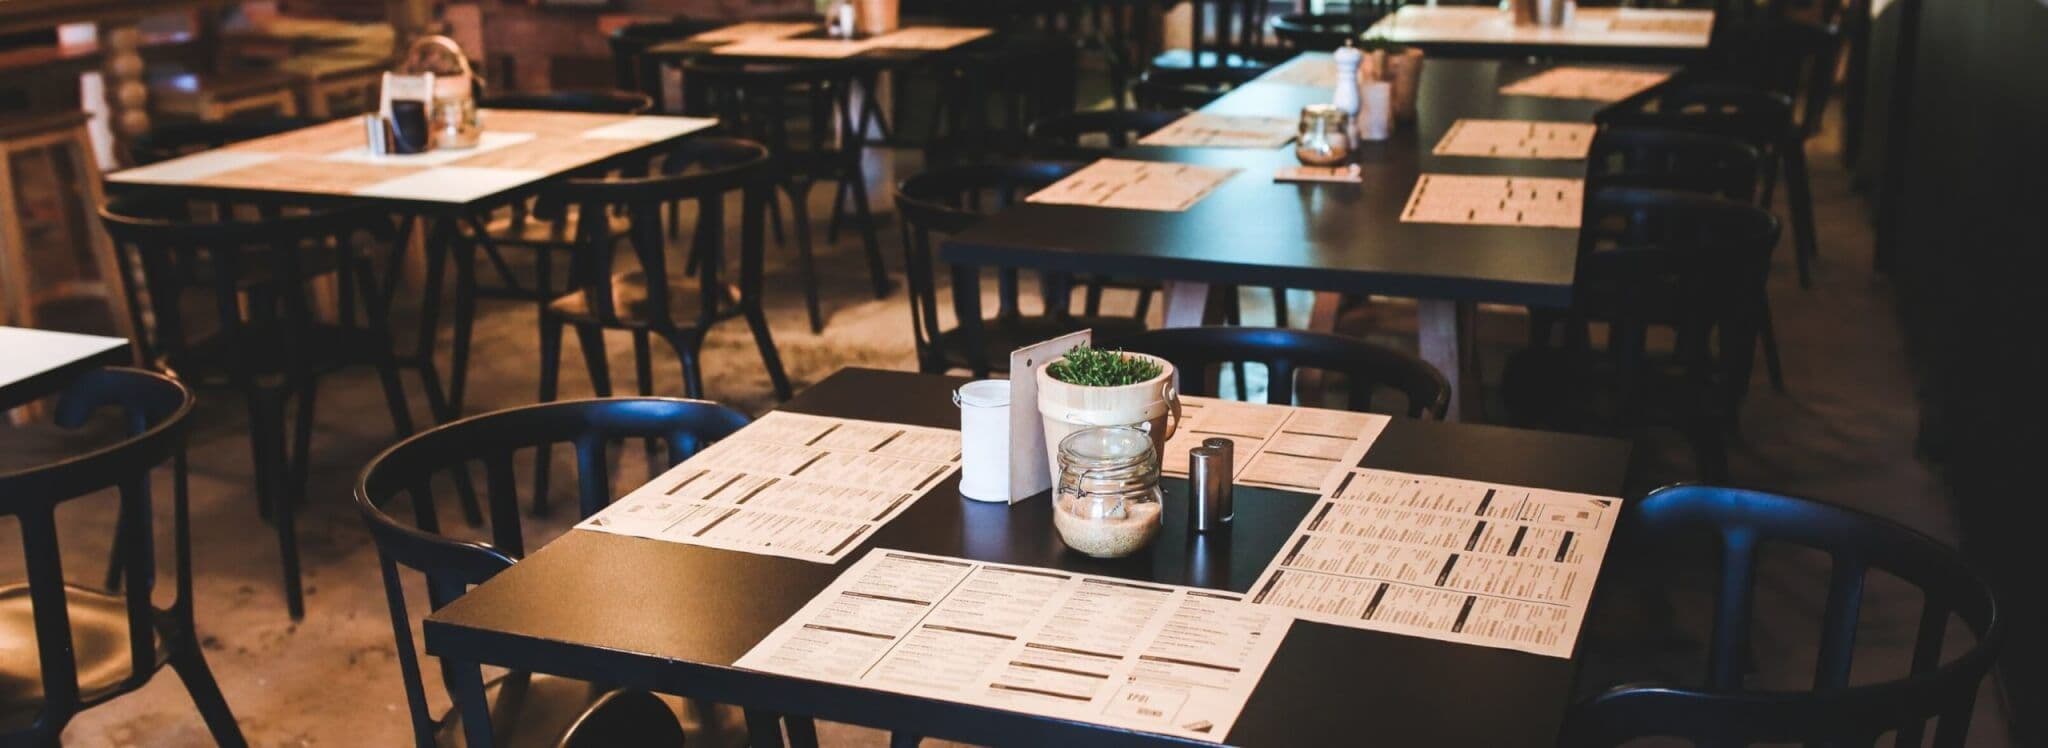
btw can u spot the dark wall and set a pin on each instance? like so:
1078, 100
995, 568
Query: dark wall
1972, 270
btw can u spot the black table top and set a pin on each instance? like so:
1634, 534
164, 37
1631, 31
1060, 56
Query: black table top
673, 617
1324, 237
43, 363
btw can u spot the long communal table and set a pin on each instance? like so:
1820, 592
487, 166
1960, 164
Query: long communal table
673, 618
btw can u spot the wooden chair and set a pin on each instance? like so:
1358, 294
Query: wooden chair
91, 646
216, 96
1223, 33
647, 302
328, 88
1367, 367
948, 201
631, 69
265, 344
1191, 88
1323, 32
1090, 135
1693, 263
60, 142
1724, 711
990, 92
517, 708
803, 113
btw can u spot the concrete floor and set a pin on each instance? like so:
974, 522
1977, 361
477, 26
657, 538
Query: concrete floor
1844, 433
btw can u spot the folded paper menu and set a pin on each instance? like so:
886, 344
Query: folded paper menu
1598, 84
829, 49
1496, 201
1135, 185
1495, 138
754, 30
1202, 130
1277, 446
1157, 658
1453, 560
929, 37
791, 485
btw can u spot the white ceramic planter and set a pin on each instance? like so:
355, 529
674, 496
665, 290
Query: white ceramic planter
1153, 405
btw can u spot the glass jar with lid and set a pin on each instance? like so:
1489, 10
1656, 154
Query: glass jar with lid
1107, 504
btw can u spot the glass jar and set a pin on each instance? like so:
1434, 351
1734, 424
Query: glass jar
1323, 137
1107, 504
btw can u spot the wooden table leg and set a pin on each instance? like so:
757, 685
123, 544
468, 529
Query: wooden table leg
1444, 333
1185, 302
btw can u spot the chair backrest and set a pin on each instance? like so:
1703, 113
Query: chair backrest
992, 91
598, 102
1323, 32
801, 111
1225, 28
1189, 88
155, 409
1676, 160
1723, 712
704, 170
169, 140
1746, 113
451, 566
1085, 136
174, 251
1791, 58
1367, 367
947, 201
1694, 262
632, 72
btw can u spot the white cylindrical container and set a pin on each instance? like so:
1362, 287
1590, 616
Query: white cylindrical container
984, 439
1153, 405
1376, 110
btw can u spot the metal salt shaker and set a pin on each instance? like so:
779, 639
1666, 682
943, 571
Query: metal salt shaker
1210, 467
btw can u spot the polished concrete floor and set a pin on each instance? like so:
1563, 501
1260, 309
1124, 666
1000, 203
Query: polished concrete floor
1843, 432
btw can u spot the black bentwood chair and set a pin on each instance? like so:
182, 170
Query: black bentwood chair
1724, 712
265, 341
803, 113
632, 70
517, 708
1366, 367
91, 646
1191, 88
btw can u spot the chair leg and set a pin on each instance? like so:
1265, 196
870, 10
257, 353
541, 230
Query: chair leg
688, 349
775, 221
757, 321
1799, 196
550, 377
878, 271
591, 337
465, 322
1772, 366
299, 460
643, 364
189, 662
800, 216
266, 434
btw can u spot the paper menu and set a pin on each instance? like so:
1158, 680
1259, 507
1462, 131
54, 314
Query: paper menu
1496, 201
1517, 139
929, 37
830, 49
1275, 446
1135, 185
1440, 558
754, 30
1599, 84
1202, 130
1159, 658
791, 485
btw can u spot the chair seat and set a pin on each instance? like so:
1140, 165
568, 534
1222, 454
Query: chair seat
543, 711
1001, 336
99, 642
631, 306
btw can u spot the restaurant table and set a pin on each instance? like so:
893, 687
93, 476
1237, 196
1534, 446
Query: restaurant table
38, 363
673, 618
453, 190
1645, 35
1344, 238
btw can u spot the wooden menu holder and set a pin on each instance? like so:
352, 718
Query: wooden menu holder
1027, 429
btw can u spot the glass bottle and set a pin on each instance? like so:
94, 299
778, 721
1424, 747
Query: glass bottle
1107, 504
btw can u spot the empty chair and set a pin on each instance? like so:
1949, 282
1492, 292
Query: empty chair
991, 91
517, 708
803, 113
632, 70
1322, 32
1725, 711
1366, 367
90, 646
1190, 88
948, 201
168, 140
265, 343
1223, 33
1086, 136
1694, 264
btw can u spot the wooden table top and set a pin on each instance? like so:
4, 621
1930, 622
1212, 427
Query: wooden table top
519, 148
1636, 34
673, 618
761, 41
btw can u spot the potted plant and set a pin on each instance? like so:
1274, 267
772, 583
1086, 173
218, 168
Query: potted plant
1094, 387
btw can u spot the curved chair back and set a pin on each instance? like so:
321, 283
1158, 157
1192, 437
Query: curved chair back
947, 201
1675, 160
1722, 712
703, 170
1227, 32
598, 102
1190, 88
631, 69
156, 409
1322, 32
1752, 115
1086, 136
801, 111
1367, 367
169, 140
451, 566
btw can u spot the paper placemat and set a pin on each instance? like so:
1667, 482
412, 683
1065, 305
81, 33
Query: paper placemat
754, 30
1598, 84
826, 49
1662, 23
1276, 446
1496, 201
1135, 185
1202, 130
1494, 138
929, 37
